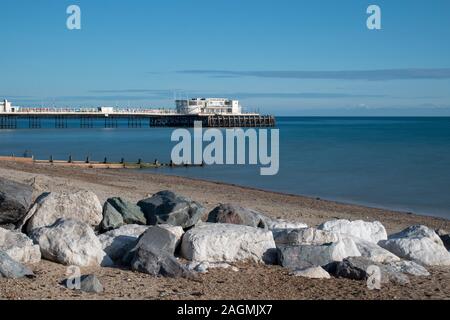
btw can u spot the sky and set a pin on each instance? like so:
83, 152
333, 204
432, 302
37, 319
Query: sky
283, 57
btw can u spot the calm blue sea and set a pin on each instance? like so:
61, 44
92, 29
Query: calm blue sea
396, 163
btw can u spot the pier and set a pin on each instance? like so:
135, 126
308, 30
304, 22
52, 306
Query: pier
136, 118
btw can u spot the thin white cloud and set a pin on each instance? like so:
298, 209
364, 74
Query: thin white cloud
366, 75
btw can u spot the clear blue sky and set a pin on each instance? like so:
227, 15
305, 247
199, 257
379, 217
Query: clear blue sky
287, 57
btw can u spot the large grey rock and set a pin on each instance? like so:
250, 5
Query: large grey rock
19, 247
234, 214
306, 256
9, 268
409, 267
357, 268
70, 242
81, 205
15, 200
87, 283
112, 219
154, 254
157, 238
130, 212
220, 242
174, 232
369, 231
166, 207
312, 273
118, 242
420, 244
292, 237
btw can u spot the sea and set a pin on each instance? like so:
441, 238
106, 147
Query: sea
399, 163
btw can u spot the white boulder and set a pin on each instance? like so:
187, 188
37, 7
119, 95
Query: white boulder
19, 247
369, 231
418, 231
219, 242
70, 242
420, 244
81, 205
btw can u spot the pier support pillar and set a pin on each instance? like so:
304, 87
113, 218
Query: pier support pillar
8, 122
34, 122
134, 122
86, 122
111, 122
60, 122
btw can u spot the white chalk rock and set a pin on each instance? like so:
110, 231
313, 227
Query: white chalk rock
418, 231
369, 231
19, 247
217, 242
81, 205
70, 242
312, 273
420, 244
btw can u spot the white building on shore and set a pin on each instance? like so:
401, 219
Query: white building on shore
6, 106
208, 106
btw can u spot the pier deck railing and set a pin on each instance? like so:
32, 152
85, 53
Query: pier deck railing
137, 118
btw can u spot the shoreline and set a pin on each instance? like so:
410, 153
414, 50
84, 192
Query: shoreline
136, 167
311, 197
310, 210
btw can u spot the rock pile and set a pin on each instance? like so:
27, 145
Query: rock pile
164, 235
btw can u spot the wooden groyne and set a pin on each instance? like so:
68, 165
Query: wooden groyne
96, 164
63, 120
